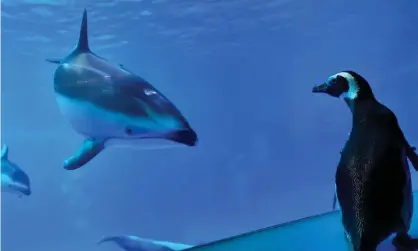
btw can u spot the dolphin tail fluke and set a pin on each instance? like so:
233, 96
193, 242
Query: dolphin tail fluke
83, 40
90, 149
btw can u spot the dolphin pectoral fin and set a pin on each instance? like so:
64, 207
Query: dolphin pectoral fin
54, 60
413, 157
88, 150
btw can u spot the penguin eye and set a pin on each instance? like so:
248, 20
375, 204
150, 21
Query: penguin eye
342, 82
331, 81
338, 80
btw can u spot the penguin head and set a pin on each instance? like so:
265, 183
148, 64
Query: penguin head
347, 85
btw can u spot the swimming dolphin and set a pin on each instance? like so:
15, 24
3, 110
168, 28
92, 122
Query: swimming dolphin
13, 178
110, 105
134, 243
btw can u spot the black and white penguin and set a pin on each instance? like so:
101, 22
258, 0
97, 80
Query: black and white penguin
373, 183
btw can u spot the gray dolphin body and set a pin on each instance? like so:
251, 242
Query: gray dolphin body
134, 243
106, 103
13, 178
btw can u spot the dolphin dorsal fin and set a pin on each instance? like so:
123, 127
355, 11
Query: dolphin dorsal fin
83, 40
82, 45
4, 152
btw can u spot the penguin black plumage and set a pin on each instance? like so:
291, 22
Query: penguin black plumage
373, 183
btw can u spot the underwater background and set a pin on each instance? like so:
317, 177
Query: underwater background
241, 71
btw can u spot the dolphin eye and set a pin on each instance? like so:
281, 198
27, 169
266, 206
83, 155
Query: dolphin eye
149, 92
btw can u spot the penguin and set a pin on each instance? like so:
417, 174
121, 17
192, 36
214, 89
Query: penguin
372, 180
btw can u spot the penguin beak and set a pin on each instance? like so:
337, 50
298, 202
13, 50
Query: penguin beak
322, 88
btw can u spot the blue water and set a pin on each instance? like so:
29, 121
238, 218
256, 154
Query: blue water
241, 71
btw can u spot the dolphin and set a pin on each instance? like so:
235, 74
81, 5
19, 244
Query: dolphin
13, 178
134, 243
109, 105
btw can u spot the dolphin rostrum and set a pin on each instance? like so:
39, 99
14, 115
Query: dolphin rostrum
13, 178
106, 103
134, 243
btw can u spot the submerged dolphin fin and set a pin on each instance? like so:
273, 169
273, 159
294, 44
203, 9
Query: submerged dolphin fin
88, 150
109, 238
133, 243
126, 242
4, 152
54, 60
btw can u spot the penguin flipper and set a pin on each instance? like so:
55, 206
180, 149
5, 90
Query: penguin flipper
334, 202
404, 242
88, 150
413, 157
410, 150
